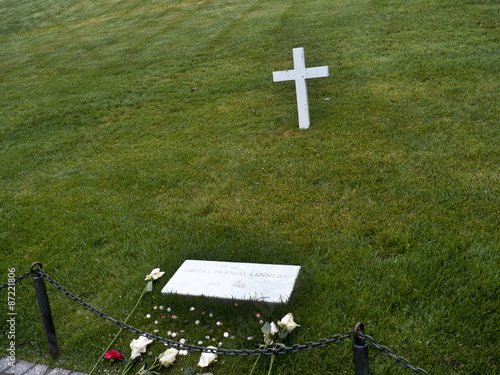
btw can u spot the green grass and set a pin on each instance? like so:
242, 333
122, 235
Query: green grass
111, 166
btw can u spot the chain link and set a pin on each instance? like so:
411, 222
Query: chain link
384, 350
19, 278
336, 339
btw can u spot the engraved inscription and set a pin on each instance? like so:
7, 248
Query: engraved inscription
238, 284
263, 282
237, 273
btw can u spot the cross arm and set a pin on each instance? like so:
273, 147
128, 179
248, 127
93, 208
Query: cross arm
318, 72
284, 75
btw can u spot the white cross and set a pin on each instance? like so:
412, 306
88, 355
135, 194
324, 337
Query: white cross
299, 75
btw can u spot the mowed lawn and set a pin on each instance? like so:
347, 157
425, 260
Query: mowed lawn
139, 134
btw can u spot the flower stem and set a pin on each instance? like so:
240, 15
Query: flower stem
271, 366
127, 368
255, 364
121, 329
156, 365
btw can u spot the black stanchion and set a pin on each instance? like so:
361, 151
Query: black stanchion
45, 312
360, 352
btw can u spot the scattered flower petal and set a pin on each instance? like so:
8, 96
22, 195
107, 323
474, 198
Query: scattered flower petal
226, 334
191, 309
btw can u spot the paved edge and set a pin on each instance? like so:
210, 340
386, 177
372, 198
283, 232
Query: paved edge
29, 368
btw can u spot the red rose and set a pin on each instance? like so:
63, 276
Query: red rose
114, 354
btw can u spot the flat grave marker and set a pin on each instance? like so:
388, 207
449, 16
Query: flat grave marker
299, 75
230, 280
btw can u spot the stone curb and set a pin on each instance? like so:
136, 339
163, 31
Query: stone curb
28, 368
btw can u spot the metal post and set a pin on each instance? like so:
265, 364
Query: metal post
360, 351
43, 304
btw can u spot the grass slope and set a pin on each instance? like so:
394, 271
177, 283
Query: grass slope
110, 166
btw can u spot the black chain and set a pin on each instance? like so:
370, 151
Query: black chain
384, 350
19, 278
336, 339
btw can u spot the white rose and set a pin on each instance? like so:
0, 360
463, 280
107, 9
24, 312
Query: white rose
154, 275
288, 322
168, 357
207, 358
274, 328
139, 346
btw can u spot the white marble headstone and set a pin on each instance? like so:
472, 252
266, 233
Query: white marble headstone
229, 280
